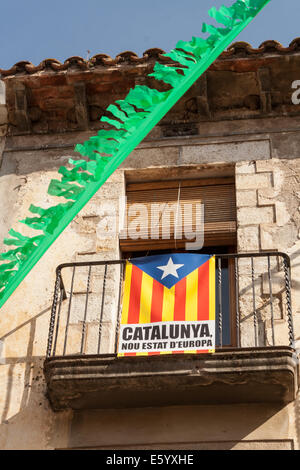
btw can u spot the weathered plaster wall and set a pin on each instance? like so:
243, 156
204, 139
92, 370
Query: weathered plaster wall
26, 417
3, 120
268, 199
184, 427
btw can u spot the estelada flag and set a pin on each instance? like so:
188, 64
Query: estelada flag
168, 305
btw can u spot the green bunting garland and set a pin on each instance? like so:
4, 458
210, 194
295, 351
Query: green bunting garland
131, 120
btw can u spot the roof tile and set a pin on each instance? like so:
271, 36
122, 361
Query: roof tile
238, 49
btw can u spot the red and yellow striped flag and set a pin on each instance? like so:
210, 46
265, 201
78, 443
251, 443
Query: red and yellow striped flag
168, 305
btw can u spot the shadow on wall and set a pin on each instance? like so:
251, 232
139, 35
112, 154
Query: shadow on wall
199, 427
26, 419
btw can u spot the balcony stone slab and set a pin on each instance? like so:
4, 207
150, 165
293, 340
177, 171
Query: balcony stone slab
249, 375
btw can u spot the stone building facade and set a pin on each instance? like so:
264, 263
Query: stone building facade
240, 122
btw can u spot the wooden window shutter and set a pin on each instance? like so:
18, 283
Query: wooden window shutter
179, 199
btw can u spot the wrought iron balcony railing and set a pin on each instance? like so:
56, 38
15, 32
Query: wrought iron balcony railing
253, 304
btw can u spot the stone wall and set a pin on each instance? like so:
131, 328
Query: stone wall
267, 189
268, 220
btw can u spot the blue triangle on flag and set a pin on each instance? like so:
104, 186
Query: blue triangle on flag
168, 269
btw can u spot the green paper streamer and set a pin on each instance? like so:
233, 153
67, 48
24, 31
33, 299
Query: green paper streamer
132, 119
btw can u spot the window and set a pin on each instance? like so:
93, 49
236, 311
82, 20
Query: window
163, 215
170, 219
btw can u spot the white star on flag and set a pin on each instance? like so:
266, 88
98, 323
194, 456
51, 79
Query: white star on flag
170, 268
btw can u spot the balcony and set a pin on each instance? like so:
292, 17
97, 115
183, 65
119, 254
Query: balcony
255, 359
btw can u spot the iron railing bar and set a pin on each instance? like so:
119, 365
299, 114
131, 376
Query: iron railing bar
69, 311
271, 300
102, 308
220, 319
253, 301
256, 255
53, 313
83, 264
118, 311
57, 321
90, 263
237, 310
287, 278
222, 255
85, 309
